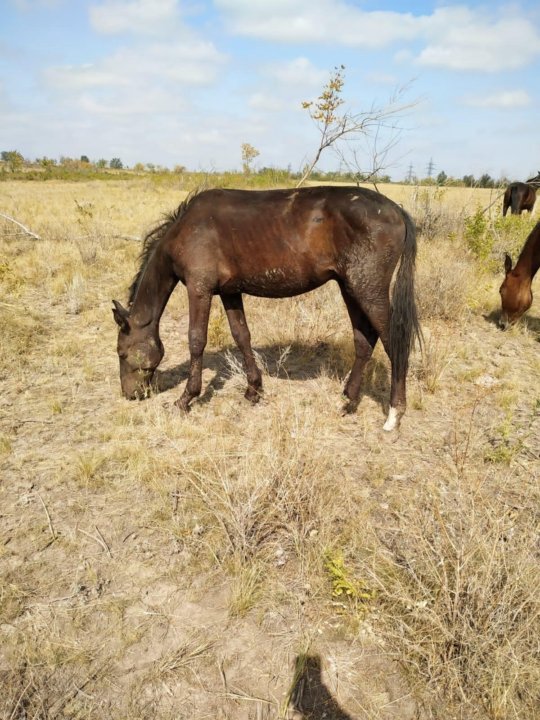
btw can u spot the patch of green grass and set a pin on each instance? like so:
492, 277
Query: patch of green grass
344, 584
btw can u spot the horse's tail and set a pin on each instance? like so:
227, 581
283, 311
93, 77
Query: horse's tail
404, 323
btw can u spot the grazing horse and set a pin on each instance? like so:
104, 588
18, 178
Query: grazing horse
275, 244
520, 196
516, 294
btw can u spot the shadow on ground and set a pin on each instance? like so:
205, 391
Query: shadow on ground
529, 321
310, 697
300, 362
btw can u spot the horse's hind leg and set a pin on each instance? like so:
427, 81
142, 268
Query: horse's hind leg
379, 316
376, 314
365, 338
234, 307
199, 312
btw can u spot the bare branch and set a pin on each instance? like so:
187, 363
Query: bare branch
51, 527
26, 230
335, 127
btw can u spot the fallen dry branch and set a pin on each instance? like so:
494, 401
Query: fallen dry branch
23, 227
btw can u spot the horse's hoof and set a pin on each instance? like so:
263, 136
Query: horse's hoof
182, 405
393, 420
253, 395
352, 401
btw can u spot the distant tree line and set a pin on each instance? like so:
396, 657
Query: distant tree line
12, 163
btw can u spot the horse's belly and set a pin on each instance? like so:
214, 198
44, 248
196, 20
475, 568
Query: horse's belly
275, 282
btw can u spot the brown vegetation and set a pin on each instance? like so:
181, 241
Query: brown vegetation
276, 561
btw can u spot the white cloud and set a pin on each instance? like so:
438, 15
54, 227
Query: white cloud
283, 83
504, 99
458, 38
299, 72
380, 78
131, 75
265, 102
316, 21
142, 17
463, 39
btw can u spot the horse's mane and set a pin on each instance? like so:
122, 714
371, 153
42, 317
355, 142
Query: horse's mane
152, 240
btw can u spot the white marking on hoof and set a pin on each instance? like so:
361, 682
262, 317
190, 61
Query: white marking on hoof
391, 420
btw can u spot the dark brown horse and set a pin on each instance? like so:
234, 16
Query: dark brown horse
516, 293
275, 243
520, 196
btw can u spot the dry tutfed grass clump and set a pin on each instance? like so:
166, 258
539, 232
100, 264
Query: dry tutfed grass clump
458, 586
273, 561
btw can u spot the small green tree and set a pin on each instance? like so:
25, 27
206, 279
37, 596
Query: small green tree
249, 153
486, 181
116, 164
85, 159
335, 125
14, 159
102, 163
442, 177
46, 162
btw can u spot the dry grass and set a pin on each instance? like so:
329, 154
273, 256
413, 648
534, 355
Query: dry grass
159, 566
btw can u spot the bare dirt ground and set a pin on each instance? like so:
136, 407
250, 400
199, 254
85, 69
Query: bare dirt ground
283, 560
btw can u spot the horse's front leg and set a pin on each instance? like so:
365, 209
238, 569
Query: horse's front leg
234, 307
199, 312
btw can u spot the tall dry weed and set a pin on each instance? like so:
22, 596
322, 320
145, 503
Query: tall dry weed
446, 281
458, 585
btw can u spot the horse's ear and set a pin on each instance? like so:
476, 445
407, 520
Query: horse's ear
507, 263
121, 315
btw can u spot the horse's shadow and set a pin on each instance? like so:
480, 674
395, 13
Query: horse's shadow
296, 362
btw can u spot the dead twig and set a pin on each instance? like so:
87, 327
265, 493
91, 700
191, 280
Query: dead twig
491, 204
60, 704
26, 230
135, 238
99, 539
51, 528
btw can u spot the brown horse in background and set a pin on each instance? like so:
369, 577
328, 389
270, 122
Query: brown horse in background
276, 244
516, 293
520, 196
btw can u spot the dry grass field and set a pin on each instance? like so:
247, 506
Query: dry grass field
277, 561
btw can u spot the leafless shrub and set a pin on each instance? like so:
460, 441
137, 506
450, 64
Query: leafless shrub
75, 290
432, 217
458, 583
446, 278
434, 358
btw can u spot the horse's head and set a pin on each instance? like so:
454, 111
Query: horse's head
140, 351
516, 295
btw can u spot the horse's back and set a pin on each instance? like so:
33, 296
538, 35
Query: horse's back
291, 216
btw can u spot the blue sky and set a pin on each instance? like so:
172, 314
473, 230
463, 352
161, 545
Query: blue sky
188, 81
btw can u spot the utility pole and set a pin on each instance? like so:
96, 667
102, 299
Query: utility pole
430, 168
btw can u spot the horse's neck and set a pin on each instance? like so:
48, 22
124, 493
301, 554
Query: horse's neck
529, 259
155, 287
